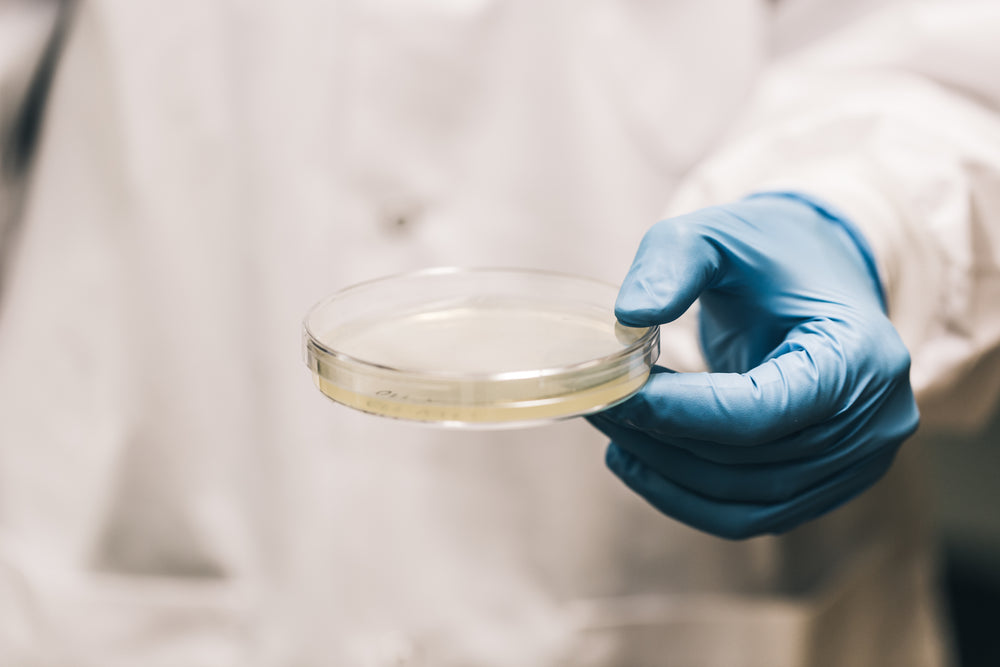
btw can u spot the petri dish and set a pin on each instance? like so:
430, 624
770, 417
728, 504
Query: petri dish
476, 348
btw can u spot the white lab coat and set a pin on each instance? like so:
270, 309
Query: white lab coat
173, 490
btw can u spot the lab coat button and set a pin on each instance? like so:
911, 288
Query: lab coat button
399, 217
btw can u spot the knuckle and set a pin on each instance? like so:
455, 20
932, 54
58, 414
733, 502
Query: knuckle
893, 355
898, 360
914, 421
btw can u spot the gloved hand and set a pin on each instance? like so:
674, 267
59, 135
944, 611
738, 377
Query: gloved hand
809, 396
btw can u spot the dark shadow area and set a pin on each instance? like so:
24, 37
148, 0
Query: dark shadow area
18, 142
973, 598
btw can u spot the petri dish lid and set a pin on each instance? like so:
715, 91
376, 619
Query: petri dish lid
481, 348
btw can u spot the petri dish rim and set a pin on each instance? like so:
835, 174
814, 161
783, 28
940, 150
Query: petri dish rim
643, 342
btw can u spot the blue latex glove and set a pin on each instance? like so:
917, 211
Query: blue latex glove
809, 396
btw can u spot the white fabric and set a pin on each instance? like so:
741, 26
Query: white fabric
173, 490
895, 121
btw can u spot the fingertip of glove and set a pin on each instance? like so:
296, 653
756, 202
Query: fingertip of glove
643, 302
620, 462
636, 309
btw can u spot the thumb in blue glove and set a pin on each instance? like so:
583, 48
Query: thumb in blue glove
809, 396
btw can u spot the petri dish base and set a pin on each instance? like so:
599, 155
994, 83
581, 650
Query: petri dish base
481, 348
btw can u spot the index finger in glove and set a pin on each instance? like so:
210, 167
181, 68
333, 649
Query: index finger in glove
676, 261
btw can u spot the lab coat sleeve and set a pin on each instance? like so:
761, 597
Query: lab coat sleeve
30, 34
895, 120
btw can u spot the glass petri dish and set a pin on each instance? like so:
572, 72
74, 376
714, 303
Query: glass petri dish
483, 348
